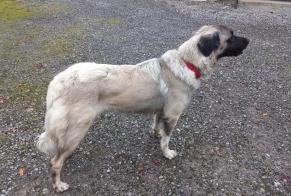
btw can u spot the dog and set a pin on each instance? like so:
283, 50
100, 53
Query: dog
160, 86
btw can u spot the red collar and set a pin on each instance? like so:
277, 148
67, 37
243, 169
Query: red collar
193, 68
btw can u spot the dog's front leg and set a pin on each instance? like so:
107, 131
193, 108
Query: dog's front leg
169, 118
169, 124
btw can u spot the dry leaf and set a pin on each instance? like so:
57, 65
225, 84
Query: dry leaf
265, 114
29, 109
12, 129
3, 98
286, 179
140, 168
156, 162
40, 65
21, 171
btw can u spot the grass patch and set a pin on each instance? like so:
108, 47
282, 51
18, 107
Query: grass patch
10, 11
26, 92
3, 161
48, 10
58, 47
3, 138
24, 146
113, 21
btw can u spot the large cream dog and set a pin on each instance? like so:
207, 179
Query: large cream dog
161, 86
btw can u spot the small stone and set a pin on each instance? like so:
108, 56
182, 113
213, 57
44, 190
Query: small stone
277, 184
45, 191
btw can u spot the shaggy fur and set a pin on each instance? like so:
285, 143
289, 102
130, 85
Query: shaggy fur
161, 86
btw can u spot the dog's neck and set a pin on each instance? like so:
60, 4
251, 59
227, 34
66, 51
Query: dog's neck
195, 69
191, 54
177, 66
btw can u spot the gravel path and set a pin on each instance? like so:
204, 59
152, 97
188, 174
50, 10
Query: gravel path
234, 139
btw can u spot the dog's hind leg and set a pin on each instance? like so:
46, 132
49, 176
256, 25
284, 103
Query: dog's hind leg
80, 120
155, 129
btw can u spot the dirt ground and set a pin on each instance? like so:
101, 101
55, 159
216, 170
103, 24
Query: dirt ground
234, 139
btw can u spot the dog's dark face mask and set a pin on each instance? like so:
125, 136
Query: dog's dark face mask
222, 43
234, 46
208, 44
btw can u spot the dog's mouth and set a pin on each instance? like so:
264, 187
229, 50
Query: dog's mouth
236, 47
230, 53
237, 53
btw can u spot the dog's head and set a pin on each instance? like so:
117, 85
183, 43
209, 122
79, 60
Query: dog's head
219, 41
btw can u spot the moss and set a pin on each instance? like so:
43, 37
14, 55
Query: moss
24, 146
59, 47
19, 41
75, 30
3, 161
29, 35
48, 10
11, 10
27, 92
3, 138
39, 194
113, 21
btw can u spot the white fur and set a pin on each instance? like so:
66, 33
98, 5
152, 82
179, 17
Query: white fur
84, 90
175, 63
46, 145
163, 87
85, 77
152, 66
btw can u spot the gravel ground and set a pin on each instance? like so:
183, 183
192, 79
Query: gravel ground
234, 139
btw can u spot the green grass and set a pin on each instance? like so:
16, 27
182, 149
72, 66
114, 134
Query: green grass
27, 92
113, 21
11, 10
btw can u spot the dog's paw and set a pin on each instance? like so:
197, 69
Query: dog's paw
61, 187
170, 154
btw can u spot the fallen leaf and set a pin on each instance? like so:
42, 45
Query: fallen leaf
12, 129
157, 162
21, 171
286, 179
140, 168
40, 65
219, 151
265, 114
3, 98
29, 109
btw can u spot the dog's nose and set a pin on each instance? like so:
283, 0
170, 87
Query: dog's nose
246, 41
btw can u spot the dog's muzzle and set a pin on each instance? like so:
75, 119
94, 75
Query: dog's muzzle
235, 46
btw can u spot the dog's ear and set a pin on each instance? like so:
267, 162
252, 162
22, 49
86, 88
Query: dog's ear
207, 44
